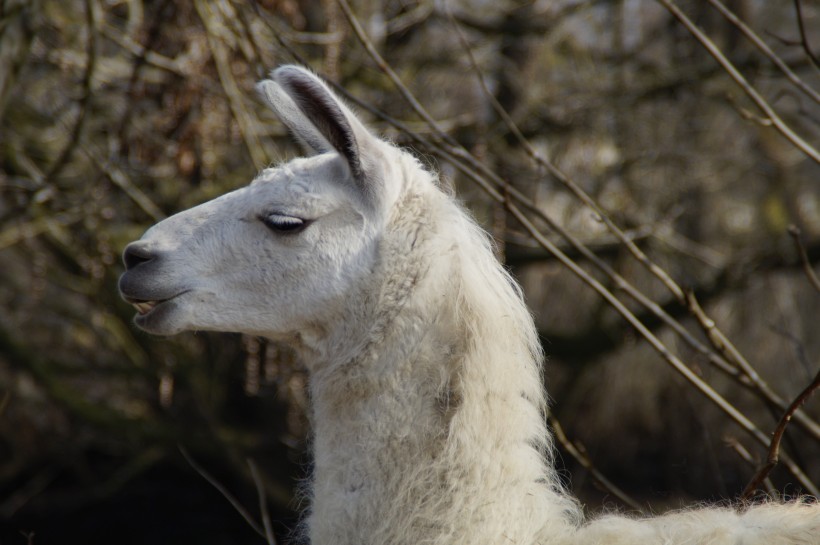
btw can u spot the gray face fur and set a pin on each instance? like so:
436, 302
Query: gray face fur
284, 254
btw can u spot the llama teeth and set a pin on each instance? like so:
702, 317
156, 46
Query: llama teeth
145, 307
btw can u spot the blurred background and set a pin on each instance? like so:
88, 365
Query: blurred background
117, 113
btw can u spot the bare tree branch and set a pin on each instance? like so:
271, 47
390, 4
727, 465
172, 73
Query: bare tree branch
248, 125
121, 180
578, 452
796, 234
749, 89
774, 455
753, 37
804, 40
263, 502
224, 491
90, 64
753, 461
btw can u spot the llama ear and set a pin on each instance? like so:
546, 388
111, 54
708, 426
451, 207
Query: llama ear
316, 117
289, 113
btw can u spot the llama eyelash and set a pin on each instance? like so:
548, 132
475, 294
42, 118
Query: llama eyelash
284, 224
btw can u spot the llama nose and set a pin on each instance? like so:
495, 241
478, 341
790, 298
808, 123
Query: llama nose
136, 253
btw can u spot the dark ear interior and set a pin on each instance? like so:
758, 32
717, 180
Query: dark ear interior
323, 111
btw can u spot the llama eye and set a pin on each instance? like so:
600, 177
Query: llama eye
279, 223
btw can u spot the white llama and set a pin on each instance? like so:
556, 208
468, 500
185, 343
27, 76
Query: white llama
424, 363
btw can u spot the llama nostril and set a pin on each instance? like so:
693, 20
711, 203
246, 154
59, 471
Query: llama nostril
136, 253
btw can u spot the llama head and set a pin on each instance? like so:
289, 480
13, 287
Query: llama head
284, 254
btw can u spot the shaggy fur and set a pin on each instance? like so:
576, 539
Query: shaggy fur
425, 366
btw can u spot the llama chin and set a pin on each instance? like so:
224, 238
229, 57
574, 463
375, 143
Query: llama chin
425, 365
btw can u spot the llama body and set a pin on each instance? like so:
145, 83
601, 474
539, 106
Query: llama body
425, 379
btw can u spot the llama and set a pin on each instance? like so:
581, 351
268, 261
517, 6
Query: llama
425, 367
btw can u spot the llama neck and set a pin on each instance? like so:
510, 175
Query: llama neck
431, 432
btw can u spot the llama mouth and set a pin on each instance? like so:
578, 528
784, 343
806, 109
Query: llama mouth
144, 307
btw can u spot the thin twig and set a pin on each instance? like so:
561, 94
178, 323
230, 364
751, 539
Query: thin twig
248, 125
4, 403
140, 51
121, 180
85, 100
748, 88
387, 69
796, 234
263, 502
797, 343
722, 343
257, 57
224, 491
774, 446
413, 17
15, 500
747, 457
804, 40
578, 452
747, 114
14, 234
753, 37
